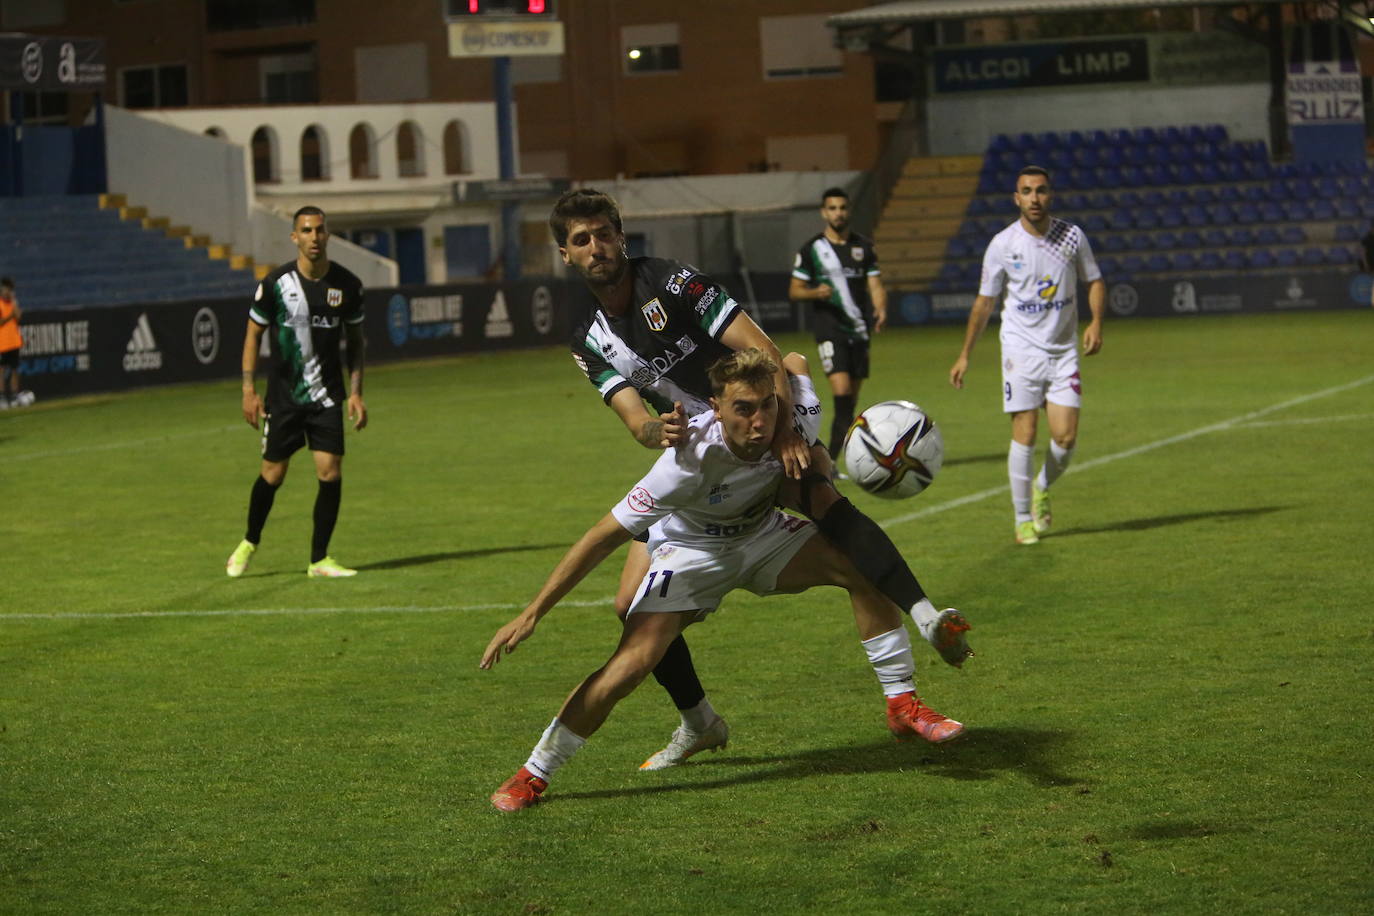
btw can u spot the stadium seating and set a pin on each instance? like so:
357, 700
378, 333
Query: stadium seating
67, 251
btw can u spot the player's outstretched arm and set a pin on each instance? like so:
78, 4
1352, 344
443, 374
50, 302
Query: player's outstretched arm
600, 541
252, 403
977, 320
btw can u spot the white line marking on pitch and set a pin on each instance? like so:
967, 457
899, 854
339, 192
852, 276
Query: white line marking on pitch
131, 443
1294, 421
1241, 420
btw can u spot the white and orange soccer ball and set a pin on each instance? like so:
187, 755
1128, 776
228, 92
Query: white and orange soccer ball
893, 450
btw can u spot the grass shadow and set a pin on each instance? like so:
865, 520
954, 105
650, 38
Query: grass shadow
978, 755
424, 558
975, 459
1160, 521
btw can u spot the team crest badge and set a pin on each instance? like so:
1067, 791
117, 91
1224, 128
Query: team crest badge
856, 253
334, 297
655, 314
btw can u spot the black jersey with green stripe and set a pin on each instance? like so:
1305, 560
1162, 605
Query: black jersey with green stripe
849, 310
664, 342
305, 324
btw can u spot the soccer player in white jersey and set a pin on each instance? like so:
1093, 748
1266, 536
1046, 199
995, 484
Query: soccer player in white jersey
708, 506
1034, 266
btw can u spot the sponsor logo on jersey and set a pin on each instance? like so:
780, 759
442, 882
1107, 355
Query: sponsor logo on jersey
656, 367
655, 314
665, 551
719, 493
686, 344
205, 336
675, 283
857, 253
334, 297
707, 298
640, 500
142, 352
324, 321
695, 288
1047, 287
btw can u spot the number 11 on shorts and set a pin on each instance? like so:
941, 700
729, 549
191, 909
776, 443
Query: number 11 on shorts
663, 588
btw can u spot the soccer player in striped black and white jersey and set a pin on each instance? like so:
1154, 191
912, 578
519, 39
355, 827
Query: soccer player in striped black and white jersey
1033, 267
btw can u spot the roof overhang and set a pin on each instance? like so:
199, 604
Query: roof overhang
908, 11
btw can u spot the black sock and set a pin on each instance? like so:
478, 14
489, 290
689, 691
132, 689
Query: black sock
326, 514
872, 552
678, 675
259, 505
841, 417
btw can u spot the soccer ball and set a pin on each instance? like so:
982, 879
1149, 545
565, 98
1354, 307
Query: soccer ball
893, 450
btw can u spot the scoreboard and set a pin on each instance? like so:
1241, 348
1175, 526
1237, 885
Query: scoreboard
463, 9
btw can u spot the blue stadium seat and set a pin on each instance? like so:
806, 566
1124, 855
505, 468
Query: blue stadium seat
1204, 195
1339, 254
1144, 136
1179, 197
1183, 260
1214, 133
1083, 179
1153, 198
1048, 140
1296, 210
1119, 220
1166, 240
1190, 239
958, 248
1172, 135
1274, 190
1121, 137
1228, 171
1347, 207
1135, 155
1266, 212
1133, 263
1099, 138
979, 206
1216, 238
1109, 266
1256, 169
1267, 235
1195, 134
1312, 257
1157, 263
1286, 257
1101, 200
1234, 260
1141, 241
1109, 177
1294, 235
1195, 216
1347, 233
1000, 143
1094, 223
1073, 200
1109, 156
1129, 199
1261, 258
1114, 242
1153, 174
1227, 193
1209, 260
1243, 235
1322, 209
1085, 157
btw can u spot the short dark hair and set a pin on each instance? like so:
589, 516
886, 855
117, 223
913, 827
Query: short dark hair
750, 365
582, 203
833, 192
1033, 170
306, 211
7, 281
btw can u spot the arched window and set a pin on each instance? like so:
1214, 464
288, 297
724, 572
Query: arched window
265, 155
362, 149
410, 150
314, 154
455, 148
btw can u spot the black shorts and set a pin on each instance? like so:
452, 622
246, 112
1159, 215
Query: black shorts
286, 429
10, 358
844, 354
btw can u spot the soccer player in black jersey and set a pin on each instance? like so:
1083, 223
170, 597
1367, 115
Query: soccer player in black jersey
307, 305
837, 272
648, 333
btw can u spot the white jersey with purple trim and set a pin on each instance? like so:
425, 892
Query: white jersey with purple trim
701, 494
1039, 276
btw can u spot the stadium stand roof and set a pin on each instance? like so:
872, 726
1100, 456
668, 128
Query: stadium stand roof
906, 11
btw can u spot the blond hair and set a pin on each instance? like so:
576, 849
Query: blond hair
751, 365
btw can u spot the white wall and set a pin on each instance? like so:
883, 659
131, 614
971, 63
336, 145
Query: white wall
287, 123
962, 124
196, 181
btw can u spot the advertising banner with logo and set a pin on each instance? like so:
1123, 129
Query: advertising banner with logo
466, 317
1275, 292
42, 63
1023, 66
108, 349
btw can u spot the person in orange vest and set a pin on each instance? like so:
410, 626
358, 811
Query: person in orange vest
10, 344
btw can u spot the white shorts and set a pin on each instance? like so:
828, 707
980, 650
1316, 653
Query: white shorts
684, 578
1029, 380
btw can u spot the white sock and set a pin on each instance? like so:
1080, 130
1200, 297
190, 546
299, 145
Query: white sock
553, 750
1020, 461
890, 655
923, 614
699, 717
1056, 463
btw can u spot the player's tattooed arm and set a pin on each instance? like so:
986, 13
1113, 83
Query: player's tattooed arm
648, 430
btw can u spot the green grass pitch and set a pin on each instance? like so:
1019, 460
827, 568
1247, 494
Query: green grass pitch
1168, 710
